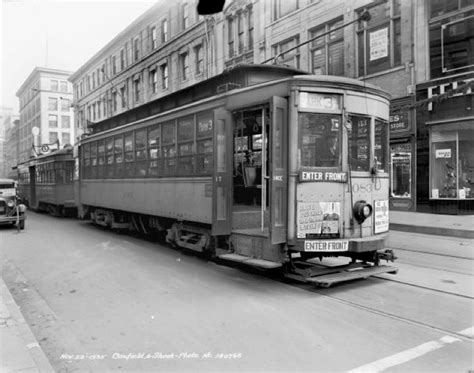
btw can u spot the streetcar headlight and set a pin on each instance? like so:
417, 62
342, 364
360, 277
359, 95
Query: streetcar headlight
11, 203
362, 210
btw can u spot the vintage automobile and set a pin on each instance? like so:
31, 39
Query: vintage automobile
11, 210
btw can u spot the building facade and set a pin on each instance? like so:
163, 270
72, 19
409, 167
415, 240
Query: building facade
445, 113
45, 103
398, 48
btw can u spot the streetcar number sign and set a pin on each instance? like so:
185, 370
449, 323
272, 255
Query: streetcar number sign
334, 245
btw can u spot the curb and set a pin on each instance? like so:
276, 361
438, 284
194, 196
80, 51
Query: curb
459, 233
30, 342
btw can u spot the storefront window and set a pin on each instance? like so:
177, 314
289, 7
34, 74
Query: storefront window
401, 173
452, 164
320, 135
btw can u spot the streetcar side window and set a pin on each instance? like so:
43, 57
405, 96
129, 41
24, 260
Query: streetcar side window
93, 173
154, 142
128, 155
381, 145
118, 155
320, 139
204, 156
185, 145
359, 143
169, 148
140, 153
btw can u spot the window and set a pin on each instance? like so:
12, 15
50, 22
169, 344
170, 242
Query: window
136, 90
164, 31
164, 76
93, 173
401, 171
359, 143
102, 71
104, 104
451, 165
292, 58
122, 59
128, 155
230, 37
114, 101
153, 37
240, 32
52, 104
114, 65
53, 137
54, 85
65, 104
184, 66
81, 89
93, 111
451, 38
185, 145
52, 121
153, 80
327, 52
154, 163
65, 138
118, 153
168, 147
93, 80
283, 7
136, 49
109, 157
381, 146
250, 29
65, 121
185, 14
140, 153
199, 59
320, 137
379, 40
205, 146
123, 97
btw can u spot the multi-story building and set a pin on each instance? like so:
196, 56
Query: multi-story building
164, 50
11, 150
398, 48
445, 110
5, 123
45, 103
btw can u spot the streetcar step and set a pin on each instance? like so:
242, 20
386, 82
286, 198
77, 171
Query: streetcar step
330, 279
267, 264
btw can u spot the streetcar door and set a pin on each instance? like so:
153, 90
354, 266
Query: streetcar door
278, 170
222, 182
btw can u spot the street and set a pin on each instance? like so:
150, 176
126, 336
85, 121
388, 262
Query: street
101, 301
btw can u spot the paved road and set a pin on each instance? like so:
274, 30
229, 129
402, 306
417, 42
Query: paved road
101, 301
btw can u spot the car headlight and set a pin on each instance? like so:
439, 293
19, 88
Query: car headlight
362, 210
11, 203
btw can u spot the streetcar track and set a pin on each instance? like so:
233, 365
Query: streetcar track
431, 253
436, 268
393, 316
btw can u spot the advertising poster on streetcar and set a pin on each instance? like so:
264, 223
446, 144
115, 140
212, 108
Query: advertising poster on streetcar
317, 218
381, 216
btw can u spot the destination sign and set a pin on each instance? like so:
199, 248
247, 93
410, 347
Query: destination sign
338, 177
320, 101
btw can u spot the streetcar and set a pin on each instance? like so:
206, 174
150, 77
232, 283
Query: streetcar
265, 166
46, 182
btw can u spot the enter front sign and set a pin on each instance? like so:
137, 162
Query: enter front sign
339, 177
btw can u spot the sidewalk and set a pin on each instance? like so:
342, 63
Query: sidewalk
461, 226
19, 349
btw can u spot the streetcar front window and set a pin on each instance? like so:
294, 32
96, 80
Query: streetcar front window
320, 140
381, 145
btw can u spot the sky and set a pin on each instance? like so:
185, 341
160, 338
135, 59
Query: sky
59, 34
